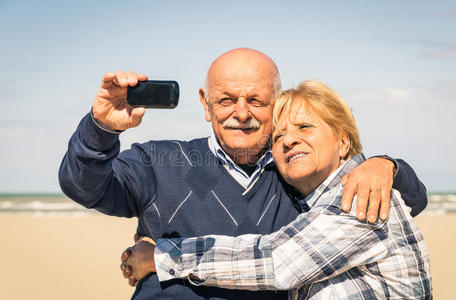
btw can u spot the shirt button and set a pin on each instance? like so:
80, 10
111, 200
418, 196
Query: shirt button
171, 272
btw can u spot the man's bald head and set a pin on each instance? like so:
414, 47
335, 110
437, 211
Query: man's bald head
237, 60
238, 98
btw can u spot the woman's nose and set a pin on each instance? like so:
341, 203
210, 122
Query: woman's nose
289, 141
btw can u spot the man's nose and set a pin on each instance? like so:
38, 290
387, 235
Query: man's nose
242, 110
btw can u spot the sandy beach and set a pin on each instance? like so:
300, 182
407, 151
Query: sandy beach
59, 257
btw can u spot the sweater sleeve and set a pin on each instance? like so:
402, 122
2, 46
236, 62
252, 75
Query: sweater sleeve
93, 173
411, 188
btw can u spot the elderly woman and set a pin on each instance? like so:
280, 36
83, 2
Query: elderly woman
325, 253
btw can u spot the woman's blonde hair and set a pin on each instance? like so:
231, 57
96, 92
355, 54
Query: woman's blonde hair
324, 102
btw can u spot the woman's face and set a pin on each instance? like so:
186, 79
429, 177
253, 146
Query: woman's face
305, 149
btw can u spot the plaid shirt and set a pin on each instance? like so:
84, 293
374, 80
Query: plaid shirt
324, 254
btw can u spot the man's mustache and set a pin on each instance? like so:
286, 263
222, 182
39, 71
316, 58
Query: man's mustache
232, 123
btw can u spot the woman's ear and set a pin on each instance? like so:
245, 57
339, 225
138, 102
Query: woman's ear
344, 146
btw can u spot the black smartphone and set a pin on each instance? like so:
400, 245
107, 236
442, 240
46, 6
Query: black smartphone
154, 94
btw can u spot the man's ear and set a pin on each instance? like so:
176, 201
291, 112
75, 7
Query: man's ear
344, 145
207, 112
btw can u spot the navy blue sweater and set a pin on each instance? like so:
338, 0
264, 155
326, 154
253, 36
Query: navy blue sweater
178, 188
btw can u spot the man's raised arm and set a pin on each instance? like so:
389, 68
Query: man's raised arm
92, 172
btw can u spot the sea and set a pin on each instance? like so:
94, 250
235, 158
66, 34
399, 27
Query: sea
60, 205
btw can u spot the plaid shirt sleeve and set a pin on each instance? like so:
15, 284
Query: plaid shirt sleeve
319, 244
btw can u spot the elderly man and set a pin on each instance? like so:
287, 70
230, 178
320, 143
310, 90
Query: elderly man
225, 184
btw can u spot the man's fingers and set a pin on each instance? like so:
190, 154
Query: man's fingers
128, 271
137, 114
123, 267
344, 180
125, 254
142, 77
136, 237
132, 281
362, 198
347, 198
374, 204
149, 240
108, 80
121, 79
385, 205
132, 78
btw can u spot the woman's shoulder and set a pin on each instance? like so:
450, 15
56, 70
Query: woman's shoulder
330, 197
330, 200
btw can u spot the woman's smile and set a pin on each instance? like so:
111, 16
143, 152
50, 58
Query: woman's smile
295, 156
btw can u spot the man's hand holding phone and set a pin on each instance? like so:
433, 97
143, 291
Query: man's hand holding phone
110, 107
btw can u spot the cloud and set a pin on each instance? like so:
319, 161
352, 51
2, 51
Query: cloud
435, 44
387, 95
424, 11
439, 92
8, 134
24, 65
443, 92
449, 13
397, 94
442, 55
436, 49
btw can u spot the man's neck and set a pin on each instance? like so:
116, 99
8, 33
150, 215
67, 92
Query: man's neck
239, 157
249, 169
245, 158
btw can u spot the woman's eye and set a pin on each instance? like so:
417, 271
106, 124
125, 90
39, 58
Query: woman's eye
277, 137
303, 126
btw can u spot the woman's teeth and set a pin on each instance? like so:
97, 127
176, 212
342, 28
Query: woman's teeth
296, 156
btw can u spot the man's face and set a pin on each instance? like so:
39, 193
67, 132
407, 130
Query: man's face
240, 104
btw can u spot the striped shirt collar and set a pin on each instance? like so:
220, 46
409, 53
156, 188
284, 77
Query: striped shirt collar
233, 168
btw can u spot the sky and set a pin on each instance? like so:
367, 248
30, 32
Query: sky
394, 62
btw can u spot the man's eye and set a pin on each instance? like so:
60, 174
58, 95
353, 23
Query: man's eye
277, 137
226, 101
255, 102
